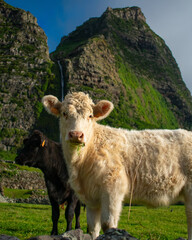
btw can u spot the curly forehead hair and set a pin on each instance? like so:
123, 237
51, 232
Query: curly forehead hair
79, 100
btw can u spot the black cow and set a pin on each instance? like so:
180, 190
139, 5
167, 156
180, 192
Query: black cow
45, 154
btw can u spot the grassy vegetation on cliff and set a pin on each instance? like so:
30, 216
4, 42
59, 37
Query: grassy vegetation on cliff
7, 155
67, 48
22, 98
23, 193
143, 106
140, 105
46, 123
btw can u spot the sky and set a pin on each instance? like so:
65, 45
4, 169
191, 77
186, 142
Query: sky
170, 19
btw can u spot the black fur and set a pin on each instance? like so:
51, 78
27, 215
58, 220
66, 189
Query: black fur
45, 154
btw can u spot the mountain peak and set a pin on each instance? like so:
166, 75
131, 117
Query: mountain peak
127, 13
8, 13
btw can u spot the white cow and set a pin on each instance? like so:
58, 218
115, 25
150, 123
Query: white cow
106, 165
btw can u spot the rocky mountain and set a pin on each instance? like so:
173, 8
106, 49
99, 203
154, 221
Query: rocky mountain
118, 57
25, 74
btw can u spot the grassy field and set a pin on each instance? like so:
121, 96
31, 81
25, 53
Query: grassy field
27, 220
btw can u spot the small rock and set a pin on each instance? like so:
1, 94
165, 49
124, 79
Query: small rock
76, 235
6, 237
116, 234
2, 199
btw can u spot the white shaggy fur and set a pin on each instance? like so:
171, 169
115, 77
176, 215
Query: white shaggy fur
107, 164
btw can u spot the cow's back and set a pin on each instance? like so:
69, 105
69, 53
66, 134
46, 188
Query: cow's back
159, 161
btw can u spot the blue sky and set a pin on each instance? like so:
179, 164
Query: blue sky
170, 19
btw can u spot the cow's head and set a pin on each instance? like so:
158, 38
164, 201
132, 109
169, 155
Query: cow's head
77, 115
30, 154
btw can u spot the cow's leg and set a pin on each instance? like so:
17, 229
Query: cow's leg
93, 221
110, 210
77, 214
55, 216
69, 214
188, 209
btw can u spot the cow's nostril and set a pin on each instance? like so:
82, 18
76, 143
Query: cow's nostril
81, 135
76, 136
70, 134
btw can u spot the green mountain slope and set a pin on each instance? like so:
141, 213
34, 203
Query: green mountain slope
25, 74
118, 57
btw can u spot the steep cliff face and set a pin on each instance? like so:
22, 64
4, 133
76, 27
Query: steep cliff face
118, 57
25, 73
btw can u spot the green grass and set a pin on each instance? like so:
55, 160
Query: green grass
23, 193
27, 220
7, 155
166, 223
145, 104
17, 193
7, 167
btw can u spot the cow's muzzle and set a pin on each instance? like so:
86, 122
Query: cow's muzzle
76, 137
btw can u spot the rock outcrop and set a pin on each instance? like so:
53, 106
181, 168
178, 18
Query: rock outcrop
25, 73
24, 180
31, 183
127, 14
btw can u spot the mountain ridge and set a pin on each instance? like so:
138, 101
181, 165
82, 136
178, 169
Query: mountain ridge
137, 53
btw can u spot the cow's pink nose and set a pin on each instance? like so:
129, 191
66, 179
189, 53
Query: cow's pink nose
76, 136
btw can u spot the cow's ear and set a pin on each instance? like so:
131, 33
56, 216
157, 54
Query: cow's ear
39, 138
52, 105
102, 109
35, 140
